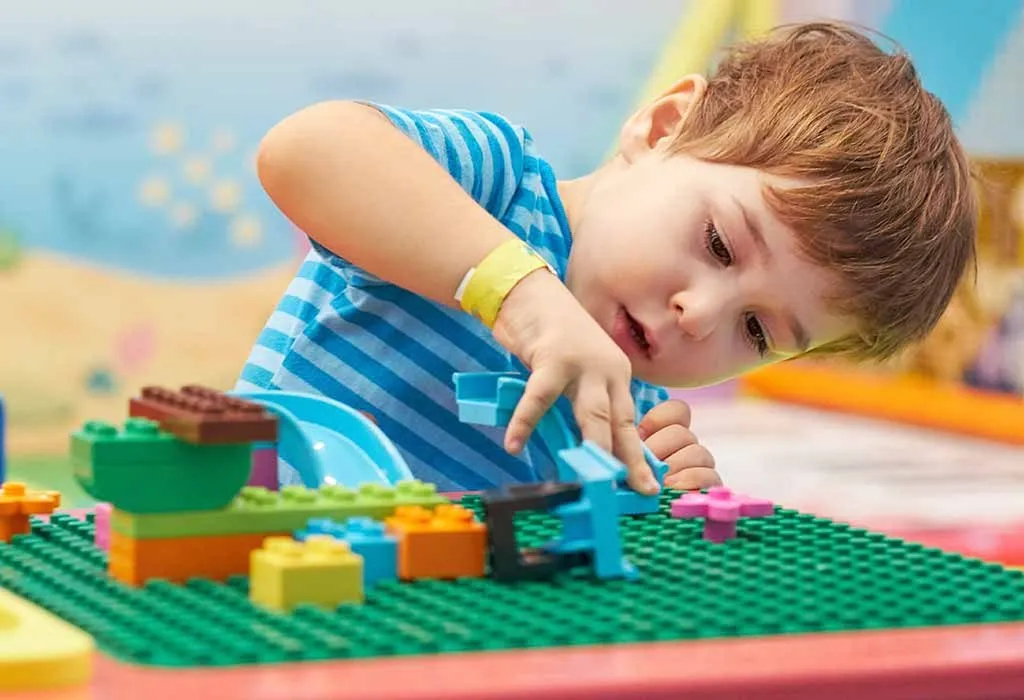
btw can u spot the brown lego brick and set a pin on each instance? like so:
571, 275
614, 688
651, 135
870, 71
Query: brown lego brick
205, 416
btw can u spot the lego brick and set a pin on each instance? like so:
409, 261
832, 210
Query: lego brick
258, 510
101, 526
509, 561
203, 416
177, 559
142, 469
40, 651
789, 573
264, 467
446, 543
586, 525
320, 571
721, 509
367, 538
17, 503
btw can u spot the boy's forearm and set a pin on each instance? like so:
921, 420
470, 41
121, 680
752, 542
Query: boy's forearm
350, 180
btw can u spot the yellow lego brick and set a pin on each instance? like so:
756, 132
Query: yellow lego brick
320, 571
38, 650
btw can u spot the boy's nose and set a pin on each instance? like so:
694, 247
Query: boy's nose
697, 319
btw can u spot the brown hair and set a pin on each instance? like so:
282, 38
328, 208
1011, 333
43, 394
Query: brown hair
889, 205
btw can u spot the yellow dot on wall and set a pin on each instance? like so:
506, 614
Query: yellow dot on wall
225, 196
167, 138
154, 191
223, 140
184, 215
246, 231
197, 169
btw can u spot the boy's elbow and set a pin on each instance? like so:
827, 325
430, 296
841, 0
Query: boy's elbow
292, 149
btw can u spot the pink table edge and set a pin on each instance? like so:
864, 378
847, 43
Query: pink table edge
948, 663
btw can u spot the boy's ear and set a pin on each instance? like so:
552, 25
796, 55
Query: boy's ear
660, 121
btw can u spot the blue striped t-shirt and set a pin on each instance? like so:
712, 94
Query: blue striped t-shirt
346, 334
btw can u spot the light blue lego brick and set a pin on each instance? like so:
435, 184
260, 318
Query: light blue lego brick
632, 503
367, 538
593, 522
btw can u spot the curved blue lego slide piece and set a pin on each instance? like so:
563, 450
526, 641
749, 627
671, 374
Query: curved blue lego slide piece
327, 442
489, 398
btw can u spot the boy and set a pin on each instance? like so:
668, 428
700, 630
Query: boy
809, 197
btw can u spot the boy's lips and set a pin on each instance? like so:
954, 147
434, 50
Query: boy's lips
631, 336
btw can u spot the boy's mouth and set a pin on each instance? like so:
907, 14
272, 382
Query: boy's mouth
631, 336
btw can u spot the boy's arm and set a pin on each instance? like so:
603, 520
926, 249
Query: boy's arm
343, 174
366, 192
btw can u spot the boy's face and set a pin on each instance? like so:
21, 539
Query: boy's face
682, 262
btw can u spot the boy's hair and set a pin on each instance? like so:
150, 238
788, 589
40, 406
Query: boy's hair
889, 203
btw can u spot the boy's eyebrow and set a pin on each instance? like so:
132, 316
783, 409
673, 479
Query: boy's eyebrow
755, 230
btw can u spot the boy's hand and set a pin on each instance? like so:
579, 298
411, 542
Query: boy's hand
666, 430
543, 324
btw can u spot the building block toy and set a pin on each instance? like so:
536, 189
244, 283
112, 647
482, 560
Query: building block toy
178, 559
264, 467
40, 651
203, 416
446, 543
489, 398
142, 469
367, 538
101, 526
320, 571
509, 561
330, 443
257, 510
720, 508
587, 525
17, 503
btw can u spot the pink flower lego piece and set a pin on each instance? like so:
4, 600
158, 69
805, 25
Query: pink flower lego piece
101, 526
720, 508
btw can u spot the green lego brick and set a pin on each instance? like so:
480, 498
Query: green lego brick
142, 469
257, 509
788, 573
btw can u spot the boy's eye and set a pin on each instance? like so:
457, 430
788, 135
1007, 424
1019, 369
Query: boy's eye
715, 245
755, 333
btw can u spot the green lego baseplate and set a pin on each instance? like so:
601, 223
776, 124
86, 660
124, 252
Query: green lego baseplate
257, 509
787, 573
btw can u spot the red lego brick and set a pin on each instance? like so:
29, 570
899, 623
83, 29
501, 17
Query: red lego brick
204, 416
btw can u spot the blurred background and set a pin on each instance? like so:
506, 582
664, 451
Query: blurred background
137, 247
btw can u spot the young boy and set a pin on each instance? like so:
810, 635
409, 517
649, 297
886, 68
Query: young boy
809, 197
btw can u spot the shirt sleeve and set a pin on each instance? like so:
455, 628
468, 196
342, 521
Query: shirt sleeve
647, 396
483, 153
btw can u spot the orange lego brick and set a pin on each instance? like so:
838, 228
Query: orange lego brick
178, 559
204, 416
17, 503
447, 542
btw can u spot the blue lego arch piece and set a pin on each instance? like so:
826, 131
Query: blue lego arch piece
489, 398
328, 442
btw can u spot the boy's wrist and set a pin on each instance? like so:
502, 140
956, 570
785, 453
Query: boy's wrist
485, 288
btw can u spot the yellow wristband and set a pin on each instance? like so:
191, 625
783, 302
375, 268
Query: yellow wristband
485, 287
